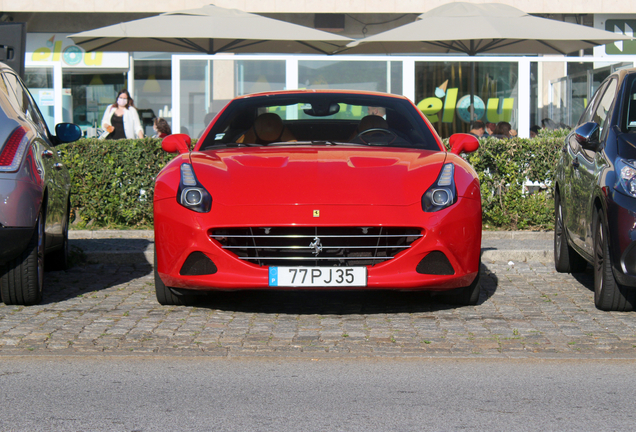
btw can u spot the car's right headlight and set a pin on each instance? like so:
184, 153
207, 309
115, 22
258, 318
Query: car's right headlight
626, 173
191, 194
442, 193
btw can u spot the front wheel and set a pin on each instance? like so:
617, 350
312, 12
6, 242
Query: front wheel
609, 295
22, 281
165, 295
466, 296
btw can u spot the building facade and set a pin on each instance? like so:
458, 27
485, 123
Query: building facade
187, 90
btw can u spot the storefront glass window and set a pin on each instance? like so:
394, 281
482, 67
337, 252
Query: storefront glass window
153, 92
39, 81
88, 94
396, 77
347, 75
196, 83
207, 85
255, 76
558, 109
535, 115
442, 92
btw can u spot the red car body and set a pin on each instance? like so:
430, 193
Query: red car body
321, 186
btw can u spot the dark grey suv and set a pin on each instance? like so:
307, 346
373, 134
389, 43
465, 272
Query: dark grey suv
595, 194
34, 193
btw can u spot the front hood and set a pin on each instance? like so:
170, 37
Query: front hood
288, 175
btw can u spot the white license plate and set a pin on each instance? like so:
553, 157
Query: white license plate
317, 276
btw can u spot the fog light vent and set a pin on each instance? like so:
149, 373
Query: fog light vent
198, 264
435, 263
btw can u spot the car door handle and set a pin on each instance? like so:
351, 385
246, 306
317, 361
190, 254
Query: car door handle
575, 162
47, 154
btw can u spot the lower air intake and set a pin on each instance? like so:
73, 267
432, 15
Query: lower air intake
198, 264
435, 263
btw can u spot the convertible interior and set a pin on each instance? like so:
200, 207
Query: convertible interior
321, 121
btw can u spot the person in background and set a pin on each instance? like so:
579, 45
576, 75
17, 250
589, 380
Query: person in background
479, 129
121, 119
378, 111
503, 130
534, 131
490, 129
161, 127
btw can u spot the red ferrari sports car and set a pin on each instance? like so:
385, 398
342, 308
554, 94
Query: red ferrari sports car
317, 190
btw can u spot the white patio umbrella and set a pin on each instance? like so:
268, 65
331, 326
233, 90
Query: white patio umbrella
482, 28
210, 30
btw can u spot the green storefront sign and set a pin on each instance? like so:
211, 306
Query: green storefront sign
625, 27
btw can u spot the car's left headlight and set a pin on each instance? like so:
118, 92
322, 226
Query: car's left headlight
442, 193
191, 194
626, 173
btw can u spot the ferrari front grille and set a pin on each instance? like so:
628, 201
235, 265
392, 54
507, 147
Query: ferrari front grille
316, 246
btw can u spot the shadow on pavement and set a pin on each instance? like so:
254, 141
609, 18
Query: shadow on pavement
332, 302
111, 244
83, 279
586, 279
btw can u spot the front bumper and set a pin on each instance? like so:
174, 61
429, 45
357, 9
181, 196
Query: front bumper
621, 216
456, 232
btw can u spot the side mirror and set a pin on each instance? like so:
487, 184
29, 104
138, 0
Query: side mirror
67, 132
587, 135
176, 143
463, 143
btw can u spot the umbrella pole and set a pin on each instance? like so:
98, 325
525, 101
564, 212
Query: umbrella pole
472, 94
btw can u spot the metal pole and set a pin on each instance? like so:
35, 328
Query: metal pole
472, 85
472, 94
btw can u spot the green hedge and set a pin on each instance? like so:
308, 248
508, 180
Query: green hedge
504, 166
113, 181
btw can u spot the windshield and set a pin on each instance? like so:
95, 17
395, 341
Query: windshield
321, 118
629, 116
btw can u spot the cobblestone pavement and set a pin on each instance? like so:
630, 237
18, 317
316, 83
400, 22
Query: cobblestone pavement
525, 310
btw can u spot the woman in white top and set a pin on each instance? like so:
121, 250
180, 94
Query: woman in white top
121, 119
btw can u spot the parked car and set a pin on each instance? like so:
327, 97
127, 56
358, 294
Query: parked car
34, 193
306, 190
595, 194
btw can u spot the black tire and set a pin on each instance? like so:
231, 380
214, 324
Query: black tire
22, 281
58, 259
609, 295
566, 259
466, 296
167, 296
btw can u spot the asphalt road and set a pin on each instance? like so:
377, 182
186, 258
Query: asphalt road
200, 394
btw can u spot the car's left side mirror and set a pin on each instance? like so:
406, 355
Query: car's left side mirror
176, 143
587, 135
463, 143
67, 132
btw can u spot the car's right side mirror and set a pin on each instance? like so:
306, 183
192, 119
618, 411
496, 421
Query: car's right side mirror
463, 143
176, 143
587, 135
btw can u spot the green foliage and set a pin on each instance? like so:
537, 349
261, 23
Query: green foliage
113, 181
504, 166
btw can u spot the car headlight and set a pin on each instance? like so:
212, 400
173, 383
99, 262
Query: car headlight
442, 193
626, 170
191, 194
